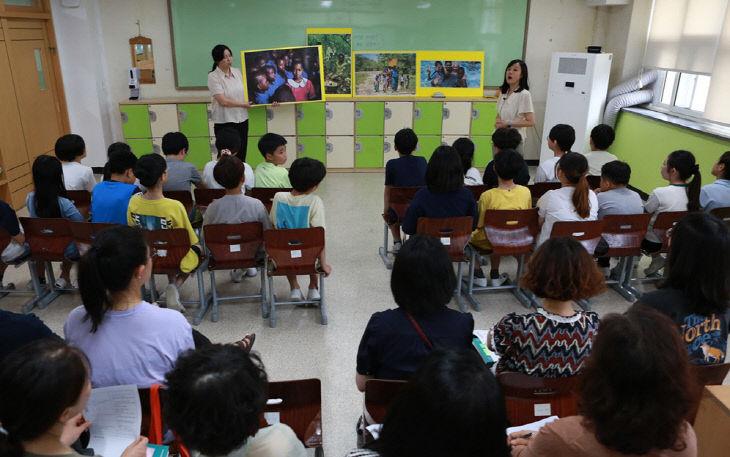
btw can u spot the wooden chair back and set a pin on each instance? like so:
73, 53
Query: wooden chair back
81, 200
624, 233
293, 251
723, 213
588, 233
706, 375
594, 181
525, 394
204, 197
538, 189
511, 232
664, 223
400, 198
453, 232
477, 191
233, 245
168, 247
84, 233
266, 194
379, 395
183, 196
47, 237
299, 405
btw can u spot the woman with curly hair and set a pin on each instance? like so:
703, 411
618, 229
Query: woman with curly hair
636, 390
554, 341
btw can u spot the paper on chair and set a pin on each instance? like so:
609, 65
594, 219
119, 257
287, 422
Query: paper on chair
533, 426
116, 417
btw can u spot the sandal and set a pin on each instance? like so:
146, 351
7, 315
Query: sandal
246, 343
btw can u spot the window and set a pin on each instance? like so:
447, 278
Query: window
682, 92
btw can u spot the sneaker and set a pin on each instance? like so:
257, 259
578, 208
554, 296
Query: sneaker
496, 282
657, 263
313, 295
61, 284
296, 295
236, 275
396, 246
251, 272
172, 298
479, 279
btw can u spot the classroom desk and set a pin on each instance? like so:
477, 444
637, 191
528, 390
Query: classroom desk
347, 134
712, 424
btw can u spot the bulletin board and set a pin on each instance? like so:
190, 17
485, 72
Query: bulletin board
495, 27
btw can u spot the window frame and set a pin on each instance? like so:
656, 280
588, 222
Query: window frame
656, 103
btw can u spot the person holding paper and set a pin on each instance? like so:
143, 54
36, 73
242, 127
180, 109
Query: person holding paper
44, 387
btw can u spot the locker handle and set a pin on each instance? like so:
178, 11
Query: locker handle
328, 147
358, 113
388, 113
417, 113
300, 114
269, 114
209, 114
328, 114
446, 113
444, 143
182, 115
156, 148
153, 116
386, 147
125, 117
475, 113
358, 147
300, 147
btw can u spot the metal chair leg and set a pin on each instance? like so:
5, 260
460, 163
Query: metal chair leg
457, 292
470, 283
383, 250
322, 310
206, 302
38, 289
272, 303
264, 298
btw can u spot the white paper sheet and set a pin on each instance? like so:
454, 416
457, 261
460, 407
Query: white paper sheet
116, 416
531, 427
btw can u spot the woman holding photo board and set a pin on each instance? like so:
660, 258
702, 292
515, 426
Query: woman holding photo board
514, 103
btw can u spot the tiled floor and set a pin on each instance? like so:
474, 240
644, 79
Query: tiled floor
300, 347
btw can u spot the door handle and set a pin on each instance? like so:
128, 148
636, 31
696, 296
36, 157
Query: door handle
182, 115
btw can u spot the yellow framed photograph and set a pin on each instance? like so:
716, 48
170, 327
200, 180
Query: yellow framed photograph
336, 57
384, 73
451, 73
283, 75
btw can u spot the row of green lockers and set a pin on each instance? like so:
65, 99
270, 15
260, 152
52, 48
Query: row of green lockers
342, 134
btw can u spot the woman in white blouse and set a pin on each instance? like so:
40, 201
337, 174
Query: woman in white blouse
229, 110
514, 103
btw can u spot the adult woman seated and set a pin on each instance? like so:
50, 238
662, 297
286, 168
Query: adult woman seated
451, 407
635, 393
554, 341
396, 341
695, 290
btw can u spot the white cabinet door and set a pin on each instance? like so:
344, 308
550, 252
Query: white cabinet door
157, 145
339, 118
291, 148
457, 118
281, 120
340, 152
398, 115
448, 140
163, 119
389, 151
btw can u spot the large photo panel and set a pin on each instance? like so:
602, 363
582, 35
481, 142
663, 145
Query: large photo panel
336, 57
452, 73
385, 73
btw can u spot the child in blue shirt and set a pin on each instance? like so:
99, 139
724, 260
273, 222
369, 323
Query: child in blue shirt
405, 171
110, 198
717, 194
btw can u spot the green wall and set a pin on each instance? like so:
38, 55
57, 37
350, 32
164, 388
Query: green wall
644, 143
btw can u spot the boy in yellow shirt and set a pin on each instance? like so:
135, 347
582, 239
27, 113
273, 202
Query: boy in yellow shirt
152, 211
507, 195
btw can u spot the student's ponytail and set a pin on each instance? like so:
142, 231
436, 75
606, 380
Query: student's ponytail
107, 267
575, 166
686, 165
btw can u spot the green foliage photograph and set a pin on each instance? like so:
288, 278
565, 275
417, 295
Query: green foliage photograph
336, 52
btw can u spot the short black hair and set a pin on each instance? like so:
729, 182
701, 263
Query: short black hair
423, 278
68, 147
269, 142
215, 395
228, 172
149, 169
405, 141
508, 163
306, 173
173, 142
444, 172
617, 172
117, 146
228, 139
465, 148
121, 161
283, 94
602, 136
506, 138
564, 135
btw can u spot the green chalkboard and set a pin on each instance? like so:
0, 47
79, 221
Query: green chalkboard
496, 27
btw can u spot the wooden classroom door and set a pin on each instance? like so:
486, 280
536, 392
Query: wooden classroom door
35, 84
12, 150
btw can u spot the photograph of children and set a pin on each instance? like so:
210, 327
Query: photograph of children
385, 74
336, 57
451, 73
283, 75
